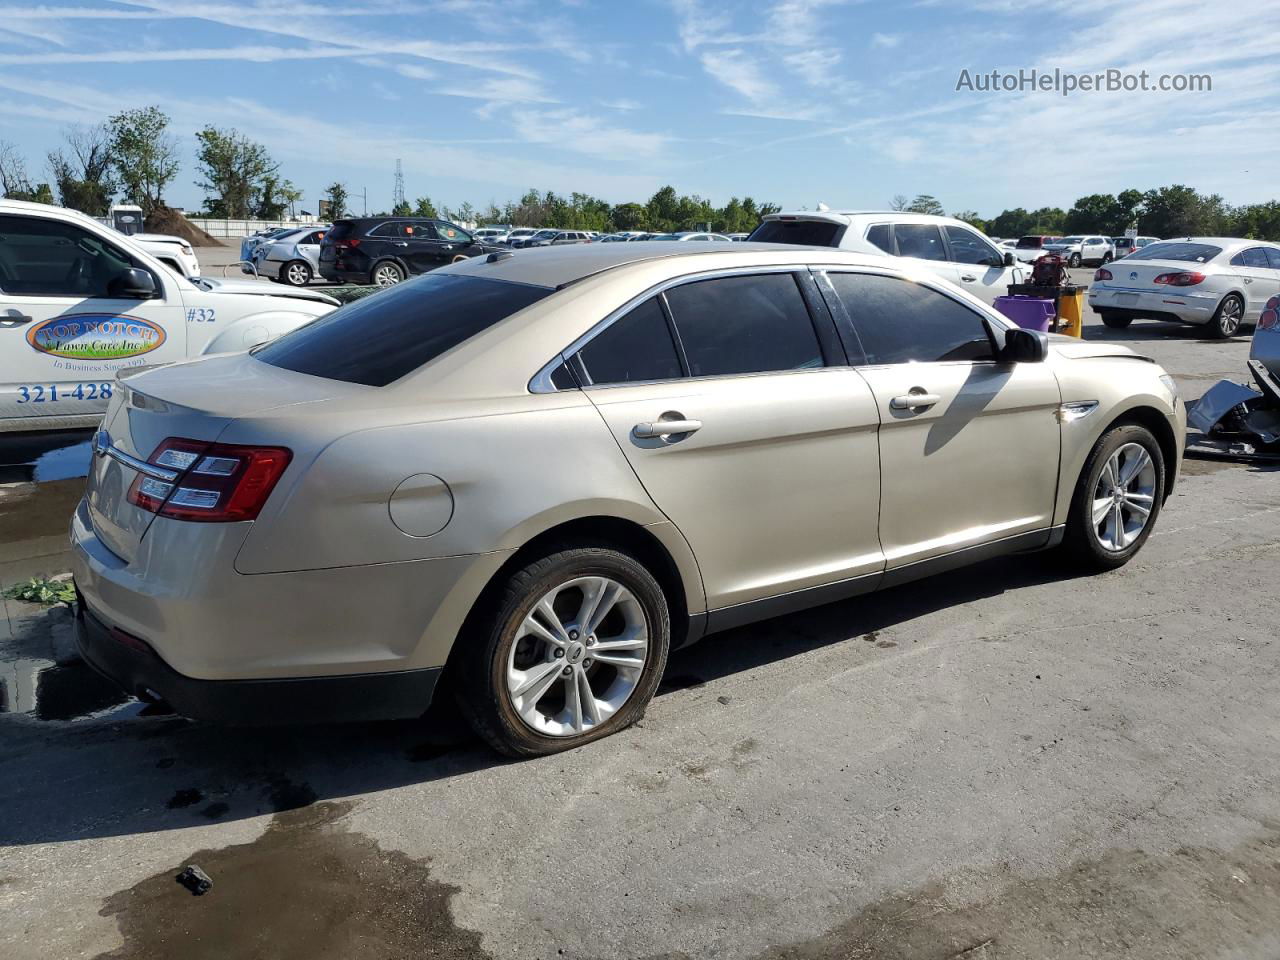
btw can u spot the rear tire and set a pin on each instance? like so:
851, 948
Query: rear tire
1073, 261
516, 644
296, 273
386, 274
1228, 318
1105, 525
1115, 321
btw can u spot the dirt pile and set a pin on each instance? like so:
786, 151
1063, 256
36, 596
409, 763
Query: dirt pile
167, 220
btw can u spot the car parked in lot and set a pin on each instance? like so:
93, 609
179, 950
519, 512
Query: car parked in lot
556, 238
174, 252
950, 248
293, 258
687, 235
529, 468
1217, 282
385, 250
492, 234
80, 303
251, 243
1082, 249
519, 234
1031, 248
1124, 246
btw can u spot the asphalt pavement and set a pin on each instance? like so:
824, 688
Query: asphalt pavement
1004, 761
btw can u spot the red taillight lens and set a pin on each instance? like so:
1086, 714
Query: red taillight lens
1270, 318
1102, 274
215, 482
1183, 278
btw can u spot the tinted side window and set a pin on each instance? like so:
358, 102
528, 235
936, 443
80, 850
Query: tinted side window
634, 347
418, 231
805, 233
744, 325
393, 332
880, 236
968, 247
50, 258
1273, 257
922, 240
384, 230
902, 322
1256, 257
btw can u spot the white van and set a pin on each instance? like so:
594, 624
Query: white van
80, 301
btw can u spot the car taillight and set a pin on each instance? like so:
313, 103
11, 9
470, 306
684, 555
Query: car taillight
353, 242
1183, 278
1102, 274
212, 482
1270, 318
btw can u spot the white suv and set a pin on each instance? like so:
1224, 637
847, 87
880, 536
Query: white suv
1083, 249
950, 248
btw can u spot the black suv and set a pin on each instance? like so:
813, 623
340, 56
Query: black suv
385, 250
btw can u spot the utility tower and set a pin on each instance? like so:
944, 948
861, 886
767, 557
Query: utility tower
398, 197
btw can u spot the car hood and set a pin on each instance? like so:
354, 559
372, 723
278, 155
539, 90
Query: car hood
258, 289
1072, 348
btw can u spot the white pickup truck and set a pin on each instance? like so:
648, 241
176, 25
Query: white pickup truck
80, 302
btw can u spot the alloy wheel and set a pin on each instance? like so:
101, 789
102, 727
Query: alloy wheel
1124, 497
577, 657
387, 275
297, 274
1230, 315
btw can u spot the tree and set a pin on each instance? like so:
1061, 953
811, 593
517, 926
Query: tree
1257, 221
14, 182
425, 208
1104, 213
82, 175
274, 197
925, 203
628, 216
465, 213
402, 209
663, 209
235, 170
1180, 211
336, 198
971, 217
899, 202
144, 155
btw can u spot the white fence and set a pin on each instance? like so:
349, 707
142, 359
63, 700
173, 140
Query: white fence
223, 229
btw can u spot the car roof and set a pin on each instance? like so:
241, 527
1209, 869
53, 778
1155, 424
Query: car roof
560, 266
848, 216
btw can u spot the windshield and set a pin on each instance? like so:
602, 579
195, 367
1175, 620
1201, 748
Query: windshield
1030, 243
1070, 240
805, 233
1184, 250
389, 334
547, 234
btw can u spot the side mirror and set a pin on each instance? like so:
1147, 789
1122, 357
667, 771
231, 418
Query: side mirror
1009, 258
132, 284
1025, 346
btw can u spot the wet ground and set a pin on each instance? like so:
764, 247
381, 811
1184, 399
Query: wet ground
1001, 762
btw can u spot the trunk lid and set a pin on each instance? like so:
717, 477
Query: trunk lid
196, 400
1141, 274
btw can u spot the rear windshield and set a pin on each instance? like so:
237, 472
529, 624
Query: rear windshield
1180, 250
389, 334
343, 228
804, 233
1030, 243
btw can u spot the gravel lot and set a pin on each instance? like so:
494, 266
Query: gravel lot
1000, 762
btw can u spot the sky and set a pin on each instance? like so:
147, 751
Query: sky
794, 102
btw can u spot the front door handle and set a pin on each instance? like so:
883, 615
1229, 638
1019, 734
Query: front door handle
400, 243
15, 318
666, 428
916, 398
969, 278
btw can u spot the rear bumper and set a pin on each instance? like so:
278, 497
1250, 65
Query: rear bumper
140, 671
1181, 308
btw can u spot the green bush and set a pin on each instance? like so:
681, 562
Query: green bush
44, 590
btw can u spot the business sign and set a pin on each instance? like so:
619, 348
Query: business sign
95, 336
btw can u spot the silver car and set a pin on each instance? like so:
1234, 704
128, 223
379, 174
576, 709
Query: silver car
293, 258
1219, 283
525, 478
1083, 249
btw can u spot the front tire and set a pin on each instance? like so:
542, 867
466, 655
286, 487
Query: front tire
1227, 318
572, 651
1073, 261
1117, 498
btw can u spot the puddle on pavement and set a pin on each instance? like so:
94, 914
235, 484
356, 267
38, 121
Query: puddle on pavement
307, 889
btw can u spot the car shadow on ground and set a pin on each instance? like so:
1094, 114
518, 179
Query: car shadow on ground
128, 771
1159, 330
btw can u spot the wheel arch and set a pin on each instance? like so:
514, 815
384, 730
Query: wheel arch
1158, 424
390, 258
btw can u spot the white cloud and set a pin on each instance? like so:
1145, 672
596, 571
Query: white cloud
887, 40
622, 104
500, 90
739, 73
574, 130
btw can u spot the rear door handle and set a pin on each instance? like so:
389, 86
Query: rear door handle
400, 243
15, 318
915, 399
968, 278
666, 428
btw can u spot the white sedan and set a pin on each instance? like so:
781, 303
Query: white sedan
81, 302
1217, 282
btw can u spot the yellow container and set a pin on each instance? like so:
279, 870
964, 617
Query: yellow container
1071, 314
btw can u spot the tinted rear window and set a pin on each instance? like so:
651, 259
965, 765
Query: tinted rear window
805, 233
342, 228
1181, 250
389, 334
1030, 243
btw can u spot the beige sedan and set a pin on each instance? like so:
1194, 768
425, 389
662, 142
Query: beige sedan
529, 476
